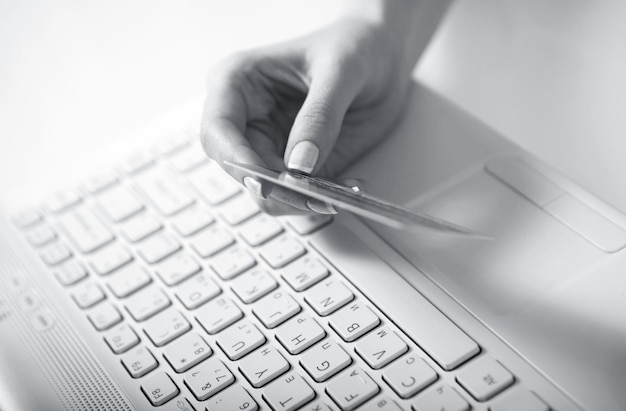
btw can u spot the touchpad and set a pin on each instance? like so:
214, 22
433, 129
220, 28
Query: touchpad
530, 255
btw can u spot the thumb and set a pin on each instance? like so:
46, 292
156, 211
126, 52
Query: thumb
318, 123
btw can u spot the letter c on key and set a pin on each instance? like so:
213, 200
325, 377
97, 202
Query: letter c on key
323, 366
404, 384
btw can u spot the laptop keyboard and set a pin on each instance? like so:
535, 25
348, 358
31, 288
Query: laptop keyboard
208, 303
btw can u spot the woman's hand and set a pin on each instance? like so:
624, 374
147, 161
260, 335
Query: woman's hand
315, 104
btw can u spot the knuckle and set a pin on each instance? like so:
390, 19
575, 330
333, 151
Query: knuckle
355, 67
319, 113
347, 66
240, 62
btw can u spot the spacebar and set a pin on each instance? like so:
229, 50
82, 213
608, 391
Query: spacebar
439, 337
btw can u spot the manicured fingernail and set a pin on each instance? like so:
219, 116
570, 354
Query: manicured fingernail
320, 207
254, 186
303, 157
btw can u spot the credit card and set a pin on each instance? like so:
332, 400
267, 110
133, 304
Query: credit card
362, 204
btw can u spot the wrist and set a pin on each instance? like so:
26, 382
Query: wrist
408, 24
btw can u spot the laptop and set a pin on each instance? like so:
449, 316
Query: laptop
159, 284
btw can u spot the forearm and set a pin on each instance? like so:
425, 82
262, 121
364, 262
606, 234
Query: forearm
409, 23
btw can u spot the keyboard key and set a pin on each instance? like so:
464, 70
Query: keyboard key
443, 397
519, 399
101, 181
211, 240
27, 218
352, 388
208, 378
218, 314
192, 220
354, 321
165, 327
381, 347
187, 352
137, 162
325, 360
288, 393
276, 308
308, 224
260, 229
39, 236
213, 184
240, 339
70, 273
281, 251
104, 316
159, 388
197, 290
28, 301
121, 338
140, 227
63, 200
382, 404
239, 209
158, 247
253, 284
55, 253
139, 362
409, 376
119, 204
299, 333
232, 262
109, 259
128, 280
177, 268
86, 295
304, 273
146, 303
163, 191
484, 378
263, 366
188, 159
84, 230
233, 398
328, 297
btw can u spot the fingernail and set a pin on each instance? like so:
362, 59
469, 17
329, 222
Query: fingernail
320, 207
254, 186
303, 157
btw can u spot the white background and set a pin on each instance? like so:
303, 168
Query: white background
78, 75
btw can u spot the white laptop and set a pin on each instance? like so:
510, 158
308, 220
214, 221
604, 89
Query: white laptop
158, 284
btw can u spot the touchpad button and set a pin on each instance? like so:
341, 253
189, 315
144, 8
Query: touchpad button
574, 213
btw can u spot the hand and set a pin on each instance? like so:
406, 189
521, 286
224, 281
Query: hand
315, 104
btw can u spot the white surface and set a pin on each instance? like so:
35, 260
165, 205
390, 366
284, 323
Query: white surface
76, 76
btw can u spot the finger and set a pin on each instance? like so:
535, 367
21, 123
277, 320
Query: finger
280, 200
283, 201
223, 125
318, 123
